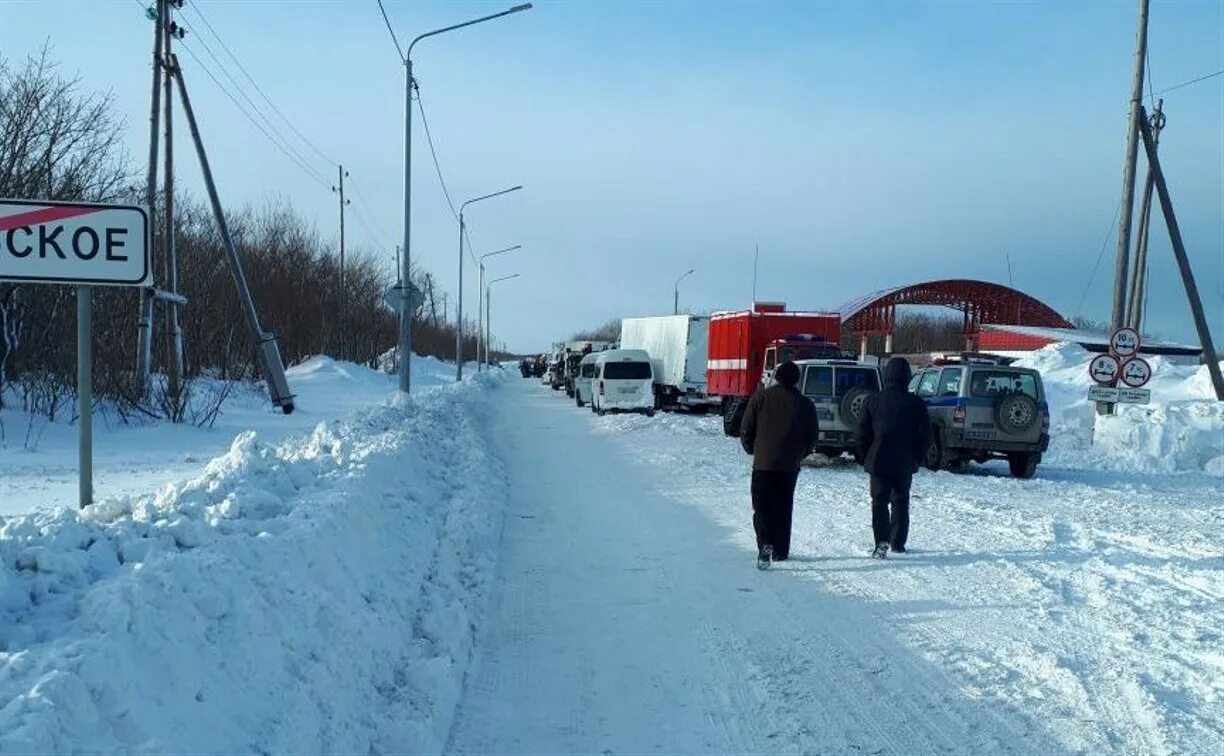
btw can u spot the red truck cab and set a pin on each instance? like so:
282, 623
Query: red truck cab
747, 344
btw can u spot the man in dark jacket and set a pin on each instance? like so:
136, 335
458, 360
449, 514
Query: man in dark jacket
779, 430
893, 435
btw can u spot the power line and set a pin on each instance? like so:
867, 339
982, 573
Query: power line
393, 37
1104, 244
372, 215
432, 151
1192, 81
196, 9
242, 91
305, 168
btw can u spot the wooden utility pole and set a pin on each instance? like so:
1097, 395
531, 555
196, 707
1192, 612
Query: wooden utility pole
1183, 262
1121, 266
175, 336
1138, 278
144, 338
343, 299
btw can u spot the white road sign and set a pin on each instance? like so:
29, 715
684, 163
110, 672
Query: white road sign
1134, 396
1104, 369
392, 297
1124, 343
1102, 394
73, 243
1136, 372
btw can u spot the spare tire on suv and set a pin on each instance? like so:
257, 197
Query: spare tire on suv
1016, 413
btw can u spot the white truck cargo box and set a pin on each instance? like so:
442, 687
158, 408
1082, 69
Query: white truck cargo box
678, 345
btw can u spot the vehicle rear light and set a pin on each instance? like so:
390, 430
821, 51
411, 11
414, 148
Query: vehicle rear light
1045, 422
601, 391
958, 415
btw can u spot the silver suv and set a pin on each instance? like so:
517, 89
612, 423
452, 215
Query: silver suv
839, 389
982, 408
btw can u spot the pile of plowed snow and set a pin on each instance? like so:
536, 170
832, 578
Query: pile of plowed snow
315, 594
1182, 430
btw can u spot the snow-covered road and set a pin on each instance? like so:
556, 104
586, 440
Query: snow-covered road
1075, 612
626, 623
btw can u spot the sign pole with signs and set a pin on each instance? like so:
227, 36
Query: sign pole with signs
1120, 375
82, 244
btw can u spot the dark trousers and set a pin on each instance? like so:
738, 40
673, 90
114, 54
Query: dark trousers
895, 491
773, 502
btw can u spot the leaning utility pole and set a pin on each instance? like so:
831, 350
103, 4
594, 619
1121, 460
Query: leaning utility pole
1121, 265
1183, 261
343, 299
266, 348
1138, 278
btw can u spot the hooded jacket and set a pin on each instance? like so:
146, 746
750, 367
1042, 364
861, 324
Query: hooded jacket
894, 431
779, 428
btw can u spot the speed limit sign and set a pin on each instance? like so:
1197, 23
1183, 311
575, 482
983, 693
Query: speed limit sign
1104, 369
1136, 372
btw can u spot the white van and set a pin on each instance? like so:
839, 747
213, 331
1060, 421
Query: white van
623, 382
584, 379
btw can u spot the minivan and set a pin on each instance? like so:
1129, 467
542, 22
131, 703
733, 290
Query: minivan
583, 381
623, 382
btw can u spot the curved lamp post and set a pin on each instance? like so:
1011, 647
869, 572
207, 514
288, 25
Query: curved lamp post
459, 314
676, 292
482, 336
405, 324
489, 309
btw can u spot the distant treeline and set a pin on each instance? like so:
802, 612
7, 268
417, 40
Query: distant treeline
58, 142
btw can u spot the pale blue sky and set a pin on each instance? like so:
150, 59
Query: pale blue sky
862, 145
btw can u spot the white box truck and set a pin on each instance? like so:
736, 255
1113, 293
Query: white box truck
678, 347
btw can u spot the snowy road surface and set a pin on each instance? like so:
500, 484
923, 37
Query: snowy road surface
1076, 612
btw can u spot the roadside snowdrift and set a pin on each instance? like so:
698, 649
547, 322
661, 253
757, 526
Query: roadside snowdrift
1182, 430
312, 595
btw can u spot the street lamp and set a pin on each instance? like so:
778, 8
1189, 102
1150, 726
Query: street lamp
405, 324
489, 309
459, 312
676, 292
482, 337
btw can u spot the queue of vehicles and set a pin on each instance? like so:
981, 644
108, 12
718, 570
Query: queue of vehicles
981, 406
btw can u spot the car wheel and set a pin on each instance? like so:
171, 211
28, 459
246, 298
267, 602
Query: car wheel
1023, 466
578, 399
935, 459
733, 416
650, 413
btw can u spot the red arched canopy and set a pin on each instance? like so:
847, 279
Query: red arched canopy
979, 301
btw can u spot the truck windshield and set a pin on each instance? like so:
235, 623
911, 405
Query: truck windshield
813, 352
625, 371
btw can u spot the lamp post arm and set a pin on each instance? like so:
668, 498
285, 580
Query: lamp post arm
435, 32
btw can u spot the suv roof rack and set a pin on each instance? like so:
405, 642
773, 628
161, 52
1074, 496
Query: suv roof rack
972, 358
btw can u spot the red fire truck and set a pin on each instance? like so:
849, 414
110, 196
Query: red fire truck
747, 345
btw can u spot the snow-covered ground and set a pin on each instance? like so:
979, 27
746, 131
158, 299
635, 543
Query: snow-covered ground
305, 593
1182, 430
38, 459
323, 587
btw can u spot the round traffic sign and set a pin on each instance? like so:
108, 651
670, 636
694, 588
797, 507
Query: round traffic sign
1104, 369
1136, 372
1124, 343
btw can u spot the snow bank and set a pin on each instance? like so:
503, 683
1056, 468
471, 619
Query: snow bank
1182, 430
312, 595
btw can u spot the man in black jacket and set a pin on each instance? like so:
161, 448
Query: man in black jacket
893, 435
779, 430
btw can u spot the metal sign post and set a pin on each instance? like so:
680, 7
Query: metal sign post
82, 244
1121, 366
